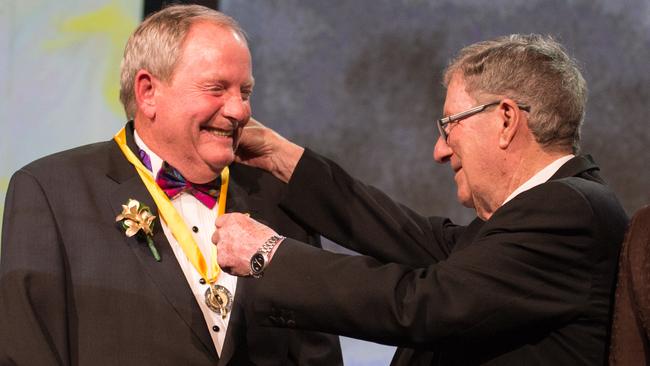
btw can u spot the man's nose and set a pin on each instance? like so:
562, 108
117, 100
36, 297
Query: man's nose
441, 152
236, 108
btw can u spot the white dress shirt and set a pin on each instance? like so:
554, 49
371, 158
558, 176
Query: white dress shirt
200, 220
540, 177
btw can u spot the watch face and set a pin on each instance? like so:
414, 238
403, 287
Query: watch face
257, 263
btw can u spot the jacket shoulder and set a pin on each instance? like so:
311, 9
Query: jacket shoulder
570, 204
596, 194
89, 157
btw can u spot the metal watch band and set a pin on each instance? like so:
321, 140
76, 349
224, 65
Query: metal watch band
270, 243
260, 259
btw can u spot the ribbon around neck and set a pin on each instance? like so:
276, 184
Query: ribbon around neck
173, 219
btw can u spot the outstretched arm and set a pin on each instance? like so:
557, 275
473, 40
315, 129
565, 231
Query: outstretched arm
521, 278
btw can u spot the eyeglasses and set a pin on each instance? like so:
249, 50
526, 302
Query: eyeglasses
442, 122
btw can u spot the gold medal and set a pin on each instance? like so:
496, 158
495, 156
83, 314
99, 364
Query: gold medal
219, 300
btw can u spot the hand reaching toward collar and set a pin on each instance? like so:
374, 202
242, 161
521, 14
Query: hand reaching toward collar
263, 148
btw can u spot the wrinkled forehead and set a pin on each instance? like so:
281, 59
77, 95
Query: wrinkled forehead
209, 31
211, 42
457, 98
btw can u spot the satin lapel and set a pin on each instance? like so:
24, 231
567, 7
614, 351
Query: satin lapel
166, 274
238, 201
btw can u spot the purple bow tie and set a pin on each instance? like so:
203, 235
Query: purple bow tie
172, 183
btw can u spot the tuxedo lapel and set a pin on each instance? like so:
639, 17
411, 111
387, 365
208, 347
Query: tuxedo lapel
166, 274
238, 201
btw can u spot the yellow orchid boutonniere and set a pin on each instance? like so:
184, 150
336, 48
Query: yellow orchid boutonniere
137, 218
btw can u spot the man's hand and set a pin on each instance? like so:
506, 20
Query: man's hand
238, 237
263, 148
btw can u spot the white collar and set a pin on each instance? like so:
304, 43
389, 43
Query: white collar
540, 177
156, 161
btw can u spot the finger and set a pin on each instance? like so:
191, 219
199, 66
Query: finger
215, 237
222, 220
225, 268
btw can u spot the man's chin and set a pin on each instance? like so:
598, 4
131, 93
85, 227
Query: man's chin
466, 201
218, 166
218, 161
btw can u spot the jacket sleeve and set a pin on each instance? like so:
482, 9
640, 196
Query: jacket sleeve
312, 348
362, 218
302, 347
530, 269
33, 305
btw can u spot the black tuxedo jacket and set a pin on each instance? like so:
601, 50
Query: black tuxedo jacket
74, 290
530, 286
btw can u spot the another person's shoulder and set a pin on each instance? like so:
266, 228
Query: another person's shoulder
577, 182
572, 193
577, 200
591, 191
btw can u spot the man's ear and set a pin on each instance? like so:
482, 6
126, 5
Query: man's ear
512, 118
144, 88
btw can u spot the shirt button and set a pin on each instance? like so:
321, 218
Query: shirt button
215, 328
202, 281
195, 229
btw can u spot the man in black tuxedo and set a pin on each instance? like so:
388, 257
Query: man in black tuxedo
528, 282
76, 290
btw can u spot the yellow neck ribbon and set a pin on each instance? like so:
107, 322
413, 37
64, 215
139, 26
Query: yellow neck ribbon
173, 219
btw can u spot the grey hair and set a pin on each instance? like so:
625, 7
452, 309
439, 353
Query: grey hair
533, 70
156, 45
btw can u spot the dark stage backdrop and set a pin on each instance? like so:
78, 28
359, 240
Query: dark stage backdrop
359, 81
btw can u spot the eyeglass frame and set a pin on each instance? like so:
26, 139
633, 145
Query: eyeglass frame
442, 122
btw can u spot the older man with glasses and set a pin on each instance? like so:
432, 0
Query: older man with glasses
528, 282
443, 122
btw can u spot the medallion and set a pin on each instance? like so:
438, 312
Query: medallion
219, 300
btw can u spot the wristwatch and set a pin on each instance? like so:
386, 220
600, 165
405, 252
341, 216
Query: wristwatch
260, 260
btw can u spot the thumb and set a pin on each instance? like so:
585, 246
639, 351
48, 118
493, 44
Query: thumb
253, 123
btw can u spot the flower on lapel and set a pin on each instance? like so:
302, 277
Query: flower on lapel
137, 218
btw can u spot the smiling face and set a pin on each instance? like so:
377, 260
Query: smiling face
470, 149
200, 113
